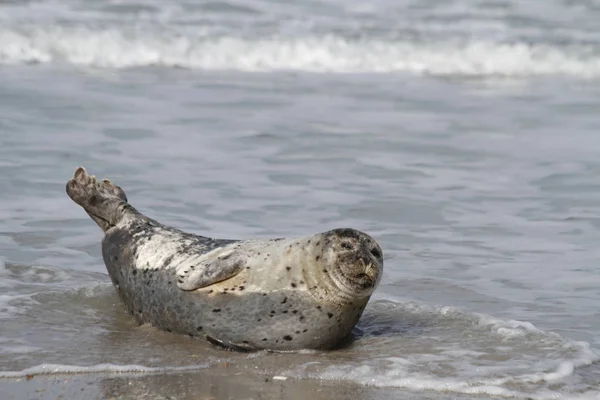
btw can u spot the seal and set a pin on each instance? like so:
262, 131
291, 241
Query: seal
275, 294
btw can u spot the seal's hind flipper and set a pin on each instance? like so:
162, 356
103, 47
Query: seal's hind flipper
104, 201
213, 267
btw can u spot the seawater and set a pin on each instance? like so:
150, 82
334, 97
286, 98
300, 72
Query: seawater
462, 135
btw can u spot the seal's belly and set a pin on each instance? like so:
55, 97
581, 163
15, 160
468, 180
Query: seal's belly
284, 319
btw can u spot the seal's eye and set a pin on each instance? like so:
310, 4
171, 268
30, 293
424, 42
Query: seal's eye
346, 246
375, 252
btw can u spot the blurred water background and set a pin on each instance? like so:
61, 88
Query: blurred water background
462, 134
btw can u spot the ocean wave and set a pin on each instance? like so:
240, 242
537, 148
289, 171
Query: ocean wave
59, 369
116, 48
444, 349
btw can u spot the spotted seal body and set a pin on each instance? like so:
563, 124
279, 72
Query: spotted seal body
277, 294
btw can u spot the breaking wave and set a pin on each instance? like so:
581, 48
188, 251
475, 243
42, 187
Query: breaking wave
116, 48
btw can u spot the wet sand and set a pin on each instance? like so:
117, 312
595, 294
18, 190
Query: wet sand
224, 383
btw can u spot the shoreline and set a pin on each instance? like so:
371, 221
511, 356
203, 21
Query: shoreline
222, 383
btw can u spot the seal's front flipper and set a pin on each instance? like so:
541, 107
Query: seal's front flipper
213, 267
105, 202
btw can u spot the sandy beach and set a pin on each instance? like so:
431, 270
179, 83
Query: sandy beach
225, 383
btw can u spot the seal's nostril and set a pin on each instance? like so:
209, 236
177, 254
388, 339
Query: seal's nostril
375, 252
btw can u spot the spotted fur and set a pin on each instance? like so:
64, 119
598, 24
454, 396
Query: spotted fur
277, 294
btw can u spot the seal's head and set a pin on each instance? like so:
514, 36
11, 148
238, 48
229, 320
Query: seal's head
355, 260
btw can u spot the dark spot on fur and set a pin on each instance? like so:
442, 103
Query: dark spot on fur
259, 254
168, 260
226, 289
287, 337
324, 270
271, 315
245, 341
210, 291
247, 267
318, 243
179, 280
301, 318
297, 332
272, 311
302, 282
199, 328
169, 282
168, 330
190, 335
216, 310
305, 330
330, 315
295, 312
318, 307
293, 284
117, 282
140, 311
288, 268
192, 266
284, 311
241, 288
264, 294
317, 258
314, 287
134, 272
284, 300
264, 339
258, 320
308, 241
116, 258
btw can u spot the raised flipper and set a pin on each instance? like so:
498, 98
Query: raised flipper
215, 266
105, 202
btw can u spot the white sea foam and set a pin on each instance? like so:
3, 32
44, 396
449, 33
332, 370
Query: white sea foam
461, 352
59, 369
120, 48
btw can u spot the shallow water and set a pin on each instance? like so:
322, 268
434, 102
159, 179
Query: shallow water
462, 135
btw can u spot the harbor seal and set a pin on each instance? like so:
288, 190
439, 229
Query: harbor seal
275, 294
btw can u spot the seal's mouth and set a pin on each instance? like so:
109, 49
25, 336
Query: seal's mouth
362, 277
